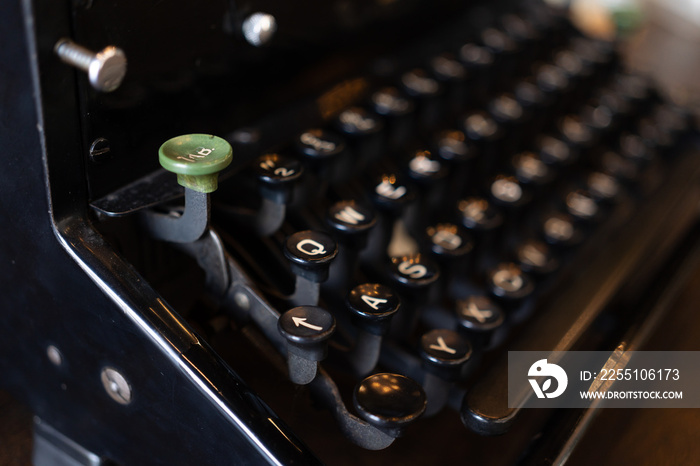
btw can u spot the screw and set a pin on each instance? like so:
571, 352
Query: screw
242, 300
106, 69
54, 355
259, 28
116, 385
99, 150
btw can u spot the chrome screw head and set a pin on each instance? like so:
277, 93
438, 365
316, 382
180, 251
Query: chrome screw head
259, 28
106, 69
116, 385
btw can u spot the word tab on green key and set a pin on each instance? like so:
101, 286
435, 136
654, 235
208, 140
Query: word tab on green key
197, 160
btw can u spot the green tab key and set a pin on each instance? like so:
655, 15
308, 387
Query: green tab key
197, 160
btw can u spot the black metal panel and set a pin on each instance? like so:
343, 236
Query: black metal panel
190, 70
179, 387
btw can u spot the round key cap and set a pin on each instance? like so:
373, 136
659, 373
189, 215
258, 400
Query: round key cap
453, 76
592, 51
554, 151
418, 83
509, 115
559, 229
425, 90
498, 41
445, 352
632, 147
604, 188
350, 218
479, 127
582, 206
536, 257
414, 271
519, 28
623, 169
508, 192
654, 135
452, 146
598, 114
479, 215
619, 107
372, 307
479, 314
551, 80
635, 88
319, 145
508, 282
446, 68
276, 175
391, 194
528, 95
397, 111
506, 110
479, 62
424, 168
486, 135
197, 160
571, 64
389, 102
389, 401
531, 170
673, 119
575, 132
306, 329
475, 57
310, 254
447, 240
357, 122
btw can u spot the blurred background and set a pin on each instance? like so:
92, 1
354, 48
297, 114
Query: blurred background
661, 38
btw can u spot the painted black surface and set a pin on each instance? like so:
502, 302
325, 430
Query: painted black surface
48, 300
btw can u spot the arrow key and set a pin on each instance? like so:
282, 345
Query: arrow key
306, 329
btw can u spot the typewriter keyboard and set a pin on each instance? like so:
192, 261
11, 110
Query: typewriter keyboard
386, 242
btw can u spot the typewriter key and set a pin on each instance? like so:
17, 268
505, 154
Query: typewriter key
479, 317
372, 306
389, 402
307, 330
444, 353
276, 176
310, 254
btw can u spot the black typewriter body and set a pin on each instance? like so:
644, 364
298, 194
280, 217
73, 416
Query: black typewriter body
501, 179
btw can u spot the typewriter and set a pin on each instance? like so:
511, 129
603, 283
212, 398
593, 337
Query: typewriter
310, 232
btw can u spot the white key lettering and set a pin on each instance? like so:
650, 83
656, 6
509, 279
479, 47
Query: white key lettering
442, 346
423, 165
412, 270
373, 302
388, 190
318, 248
447, 239
482, 315
284, 172
317, 143
202, 152
349, 215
